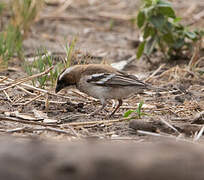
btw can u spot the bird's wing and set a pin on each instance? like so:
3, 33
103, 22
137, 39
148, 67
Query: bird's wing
113, 79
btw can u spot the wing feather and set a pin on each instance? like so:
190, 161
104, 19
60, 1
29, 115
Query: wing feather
112, 79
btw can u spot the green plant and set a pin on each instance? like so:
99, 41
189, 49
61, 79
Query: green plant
24, 13
10, 41
2, 5
69, 51
10, 44
138, 111
162, 29
40, 64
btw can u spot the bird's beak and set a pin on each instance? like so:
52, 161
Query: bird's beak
58, 88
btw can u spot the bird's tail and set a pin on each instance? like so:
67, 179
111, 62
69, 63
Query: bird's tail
159, 89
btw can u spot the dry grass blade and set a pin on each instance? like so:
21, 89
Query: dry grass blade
73, 131
7, 96
123, 17
2, 80
30, 87
98, 122
62, 8
148, 133
169, 125
31, 129
33, 99
53, 130
84, 95
28, 78
15, 130
199, 134
12, 119
163, 136
24, 13
154, 73
195, 56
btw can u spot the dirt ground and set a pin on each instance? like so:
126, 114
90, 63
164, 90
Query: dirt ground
104, 32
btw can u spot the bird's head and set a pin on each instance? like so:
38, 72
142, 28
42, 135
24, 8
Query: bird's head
68, 77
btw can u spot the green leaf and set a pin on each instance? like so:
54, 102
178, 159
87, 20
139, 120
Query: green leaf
127, 113
163, 4
140, 49
157, 20
138, 110
140, 19
169, 27
148, 31
150, 45
140, 105
167, 11
168, 38
179, 43
148, 3
177, 20
191, 35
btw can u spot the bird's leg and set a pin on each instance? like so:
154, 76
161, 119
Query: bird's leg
104, 103
120, 102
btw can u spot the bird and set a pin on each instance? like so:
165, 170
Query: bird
102, 82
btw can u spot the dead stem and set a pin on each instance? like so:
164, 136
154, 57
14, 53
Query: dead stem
33, 99
98, 122
12, 119
27, 79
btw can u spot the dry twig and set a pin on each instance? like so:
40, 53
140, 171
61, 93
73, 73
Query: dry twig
98, 122
12, 119
27, 79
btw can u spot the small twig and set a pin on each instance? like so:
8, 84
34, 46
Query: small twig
54, 130
40, 90
98, 122
7, 96
199, 134
65, 17
117, 16
27, 79
16, 130
169, 125
26, 91
155, 72
62, 8
31, 100
42, 129
2, 80
73, 131
163, 136
195, 56
16, 101
84, 96
52, 102
44, 91
19, 87
148, 133
47, 103
12, 119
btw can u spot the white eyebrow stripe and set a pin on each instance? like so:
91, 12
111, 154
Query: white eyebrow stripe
66, 72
